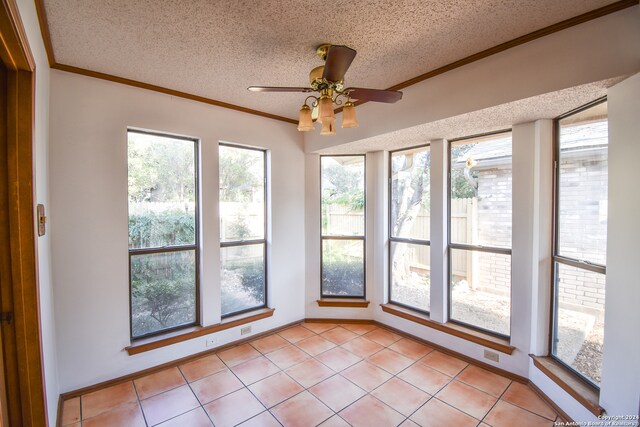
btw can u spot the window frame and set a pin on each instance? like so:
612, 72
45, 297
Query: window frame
405, 240
556, 258
174, 248
362, 238
263, 241
478, 248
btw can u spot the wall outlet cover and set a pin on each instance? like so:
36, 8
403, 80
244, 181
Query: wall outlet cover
492, 355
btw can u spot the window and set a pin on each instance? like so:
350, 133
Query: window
409, 226
343, 226
580, 239
480, 232
243, 228
163, 232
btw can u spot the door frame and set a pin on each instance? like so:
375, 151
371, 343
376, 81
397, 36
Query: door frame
21, 338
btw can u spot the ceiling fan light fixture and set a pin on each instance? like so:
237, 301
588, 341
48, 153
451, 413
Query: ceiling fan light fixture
328, 126
349, 119
305, 123
326, 107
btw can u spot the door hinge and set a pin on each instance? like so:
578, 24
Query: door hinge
6, 317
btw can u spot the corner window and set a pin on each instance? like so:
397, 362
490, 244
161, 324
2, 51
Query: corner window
480, 232
343, 226
243, 219
409, 228
163, 232
579, 255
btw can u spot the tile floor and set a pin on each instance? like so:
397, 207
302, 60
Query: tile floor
316, 374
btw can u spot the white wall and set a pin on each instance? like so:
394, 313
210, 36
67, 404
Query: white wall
88, 169
41, 139
596, 50
620, 391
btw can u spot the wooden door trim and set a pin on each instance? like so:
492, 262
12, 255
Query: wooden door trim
19, 291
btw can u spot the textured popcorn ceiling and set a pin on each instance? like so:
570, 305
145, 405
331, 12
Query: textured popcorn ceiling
491, 119
217, 49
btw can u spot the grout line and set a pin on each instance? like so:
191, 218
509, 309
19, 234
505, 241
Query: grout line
144, 417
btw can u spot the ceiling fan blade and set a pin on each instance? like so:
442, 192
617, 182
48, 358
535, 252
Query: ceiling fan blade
339, 59
375, 95
279, 89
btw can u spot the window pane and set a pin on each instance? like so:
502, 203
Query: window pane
343, 267
580, 319
582, 199
481, 191
410, 193
342, 195
162, 191
163, 291
242, 180
481, 289
242, 277
411, 275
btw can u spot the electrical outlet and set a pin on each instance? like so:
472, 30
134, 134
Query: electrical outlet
246, 330
211, 342
491, 355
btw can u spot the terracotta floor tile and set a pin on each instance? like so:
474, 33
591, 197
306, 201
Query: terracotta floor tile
202, 367
309, 373
215, 386
444, 363
362, 347
522, 396
359, 328
505, 414
319, 328
435, 413
401, 396
302, 410
295, 334
264, 419
339, 335
233, 408
275, 389
169, 404
484, 380
196, 418
338, 358
366, 375
382, 337
108, 398
390, 361
255, 369
411, 349
334, 421
158, 382
71, 411
337, 392
425, 378
236, 355
287, 357
369, 411
467, 399
269, 344
408, 423
128, 415
315, 345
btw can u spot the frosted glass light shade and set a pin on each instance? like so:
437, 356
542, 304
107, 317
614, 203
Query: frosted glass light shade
305, 123
328, 126
326, 107
349, 119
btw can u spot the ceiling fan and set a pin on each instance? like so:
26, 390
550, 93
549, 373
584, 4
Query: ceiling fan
328, 81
